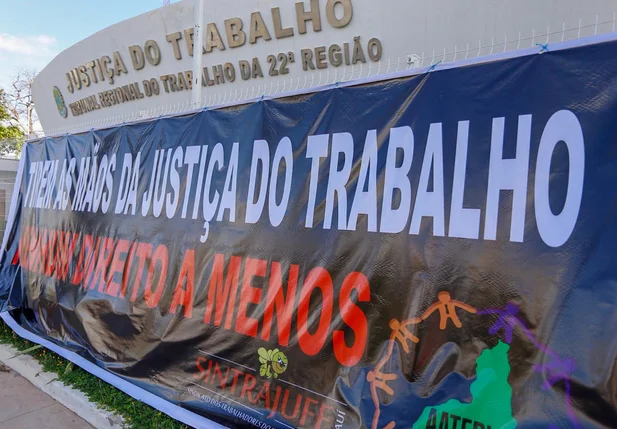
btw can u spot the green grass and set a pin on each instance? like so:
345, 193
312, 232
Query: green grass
136, 414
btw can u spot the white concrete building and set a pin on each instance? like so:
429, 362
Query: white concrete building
8, 171
143, 67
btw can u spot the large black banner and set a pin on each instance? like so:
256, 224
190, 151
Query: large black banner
434, 251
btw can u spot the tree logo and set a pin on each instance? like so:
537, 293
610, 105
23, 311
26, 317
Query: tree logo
60, 103
273, 362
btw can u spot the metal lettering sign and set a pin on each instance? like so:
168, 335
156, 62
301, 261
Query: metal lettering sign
143, 68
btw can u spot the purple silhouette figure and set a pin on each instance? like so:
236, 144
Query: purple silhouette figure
506, 321
556, 370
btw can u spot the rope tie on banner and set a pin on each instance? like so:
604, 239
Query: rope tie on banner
431, 68
543, 47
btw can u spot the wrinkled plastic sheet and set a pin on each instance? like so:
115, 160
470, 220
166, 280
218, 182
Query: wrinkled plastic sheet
430, 251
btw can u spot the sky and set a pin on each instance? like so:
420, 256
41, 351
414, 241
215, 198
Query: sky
33, 32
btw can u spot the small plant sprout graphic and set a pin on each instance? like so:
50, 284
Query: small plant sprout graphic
273, 362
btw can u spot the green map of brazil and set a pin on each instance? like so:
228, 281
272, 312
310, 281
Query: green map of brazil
491, 406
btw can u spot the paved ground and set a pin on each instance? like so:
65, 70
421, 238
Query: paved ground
23, 406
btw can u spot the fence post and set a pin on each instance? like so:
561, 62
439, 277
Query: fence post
198, 47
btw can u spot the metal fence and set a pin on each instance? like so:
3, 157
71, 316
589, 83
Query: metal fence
10, 148
7, 183
481, 48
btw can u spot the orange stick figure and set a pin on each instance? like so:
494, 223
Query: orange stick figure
376, 378
377, 413
380, 380
447, 310
401, 334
